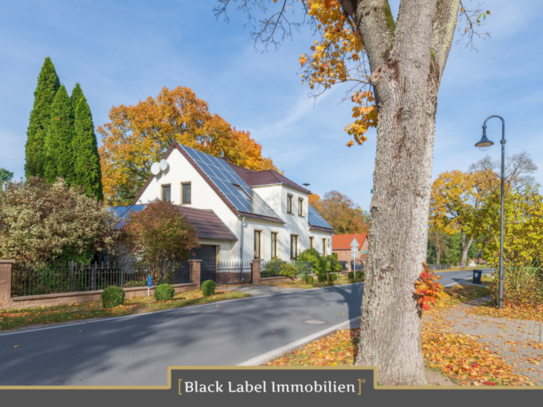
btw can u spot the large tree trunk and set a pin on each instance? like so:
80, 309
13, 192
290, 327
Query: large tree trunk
406, 63
465, 249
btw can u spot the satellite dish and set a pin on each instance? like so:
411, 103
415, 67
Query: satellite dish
155, 169
163, 165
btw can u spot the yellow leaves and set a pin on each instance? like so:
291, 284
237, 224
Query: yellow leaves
350, 143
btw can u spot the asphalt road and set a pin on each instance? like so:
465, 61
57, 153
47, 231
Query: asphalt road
449, 278
138, 349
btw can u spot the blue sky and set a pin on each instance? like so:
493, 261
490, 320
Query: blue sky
122, 52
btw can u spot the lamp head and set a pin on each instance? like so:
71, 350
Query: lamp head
484, 144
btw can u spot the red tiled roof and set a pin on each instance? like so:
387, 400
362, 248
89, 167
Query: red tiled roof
207, 223
343, 242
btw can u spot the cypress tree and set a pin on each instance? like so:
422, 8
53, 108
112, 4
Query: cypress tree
87, 170
77, 93
35, 151
59, 162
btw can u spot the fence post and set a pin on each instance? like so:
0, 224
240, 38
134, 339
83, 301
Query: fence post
195, 270
255, 271
93, 276
6, 269
72, 274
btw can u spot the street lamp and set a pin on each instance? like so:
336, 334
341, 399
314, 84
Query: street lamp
486, 143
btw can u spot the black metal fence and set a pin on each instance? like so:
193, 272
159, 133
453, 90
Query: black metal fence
435, 267
53, 278
209, 269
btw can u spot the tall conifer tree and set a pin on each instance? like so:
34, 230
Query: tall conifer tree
59, 162
48, 85
77, 93
87, 168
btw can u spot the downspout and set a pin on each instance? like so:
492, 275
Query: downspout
241, 249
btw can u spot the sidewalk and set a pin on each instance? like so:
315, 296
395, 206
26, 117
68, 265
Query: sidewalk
518, 342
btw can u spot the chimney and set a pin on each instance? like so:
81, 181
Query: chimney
222, 157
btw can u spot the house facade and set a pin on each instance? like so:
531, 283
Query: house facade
341, 244
239, 214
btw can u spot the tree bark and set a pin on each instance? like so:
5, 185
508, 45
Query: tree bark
465, 249
406, 61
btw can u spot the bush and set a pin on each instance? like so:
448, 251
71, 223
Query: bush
288, 270
208, 288
309, 280
350, 275
332, 277
112, 297
164, 292
359, 275
322, 277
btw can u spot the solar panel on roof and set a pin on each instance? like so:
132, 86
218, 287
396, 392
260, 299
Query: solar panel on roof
317, 220
122, 212
223, 176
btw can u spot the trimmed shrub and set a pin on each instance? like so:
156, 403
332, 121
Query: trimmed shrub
350, 275
322, 277
332, 277
359, 274
309, 280
208, 288
164, 292
112, 297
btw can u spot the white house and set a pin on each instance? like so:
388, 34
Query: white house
240, 214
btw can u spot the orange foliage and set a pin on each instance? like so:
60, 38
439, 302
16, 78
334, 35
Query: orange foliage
428, 289
136, 136
336, 59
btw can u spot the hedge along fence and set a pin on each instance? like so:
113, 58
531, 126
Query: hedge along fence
523, 286
53, 278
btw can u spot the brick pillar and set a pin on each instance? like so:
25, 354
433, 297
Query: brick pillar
195, 269
255, 268
6, 267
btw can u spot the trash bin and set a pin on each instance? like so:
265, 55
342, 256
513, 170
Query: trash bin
477, 276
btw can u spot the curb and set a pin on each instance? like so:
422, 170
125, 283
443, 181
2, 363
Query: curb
266, 357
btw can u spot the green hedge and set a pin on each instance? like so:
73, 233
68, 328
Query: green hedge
350, 275
164, 292
309, 280
112, 297
359, 274
208, 288
322, 277
332, 277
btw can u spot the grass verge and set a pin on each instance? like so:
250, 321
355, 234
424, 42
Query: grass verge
17, 318
342, 280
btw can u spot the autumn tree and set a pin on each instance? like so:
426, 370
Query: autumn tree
438, 240
5, 176
35, 149
456, 196
160, 234
518, 171
395, 68
341, 213
139, 135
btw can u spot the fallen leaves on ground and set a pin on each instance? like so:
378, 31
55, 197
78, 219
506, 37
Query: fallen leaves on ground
532, 312
16, 318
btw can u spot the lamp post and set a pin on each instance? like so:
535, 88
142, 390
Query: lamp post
484, 142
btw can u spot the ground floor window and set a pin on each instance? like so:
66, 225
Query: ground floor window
311, 242
324, 247
274, 245
258, 244
166, 193
293, 247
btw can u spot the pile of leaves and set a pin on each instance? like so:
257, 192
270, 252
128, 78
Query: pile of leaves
463, 358
534, 312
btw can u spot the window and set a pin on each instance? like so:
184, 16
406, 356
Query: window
243, 192
258, 244
274, 245
166, 193
300, 206
186, 192
324, 247
293, 247
311, 242
289, 203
